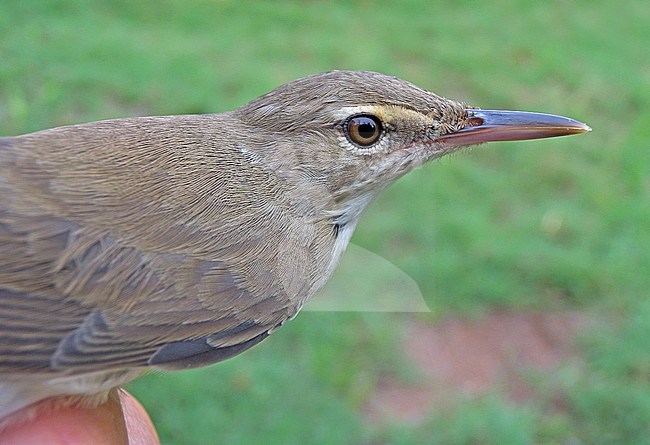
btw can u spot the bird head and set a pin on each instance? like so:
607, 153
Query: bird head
356, 132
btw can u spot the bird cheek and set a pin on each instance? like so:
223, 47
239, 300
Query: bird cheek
425, 149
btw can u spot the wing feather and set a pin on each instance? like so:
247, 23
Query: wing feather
84, 291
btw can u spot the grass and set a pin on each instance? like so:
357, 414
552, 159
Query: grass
545, 224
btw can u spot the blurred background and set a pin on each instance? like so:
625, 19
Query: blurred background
534, 257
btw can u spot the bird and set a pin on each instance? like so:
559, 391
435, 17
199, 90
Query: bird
175, 242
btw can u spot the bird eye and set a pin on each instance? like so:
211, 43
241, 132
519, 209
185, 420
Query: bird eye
363, 130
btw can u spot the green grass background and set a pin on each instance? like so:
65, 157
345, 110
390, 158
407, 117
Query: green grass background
556, 224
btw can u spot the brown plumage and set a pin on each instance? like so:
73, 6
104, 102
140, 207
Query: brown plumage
176, 242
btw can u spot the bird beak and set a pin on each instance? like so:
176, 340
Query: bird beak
502, 125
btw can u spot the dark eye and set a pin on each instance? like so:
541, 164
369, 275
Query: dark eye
363, 130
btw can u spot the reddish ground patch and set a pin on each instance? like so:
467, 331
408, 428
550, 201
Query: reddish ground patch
471, 357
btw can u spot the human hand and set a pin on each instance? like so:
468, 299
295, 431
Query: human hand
121, 420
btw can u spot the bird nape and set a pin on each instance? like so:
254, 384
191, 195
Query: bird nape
179, 241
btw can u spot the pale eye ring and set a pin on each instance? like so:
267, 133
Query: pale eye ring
363, 130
